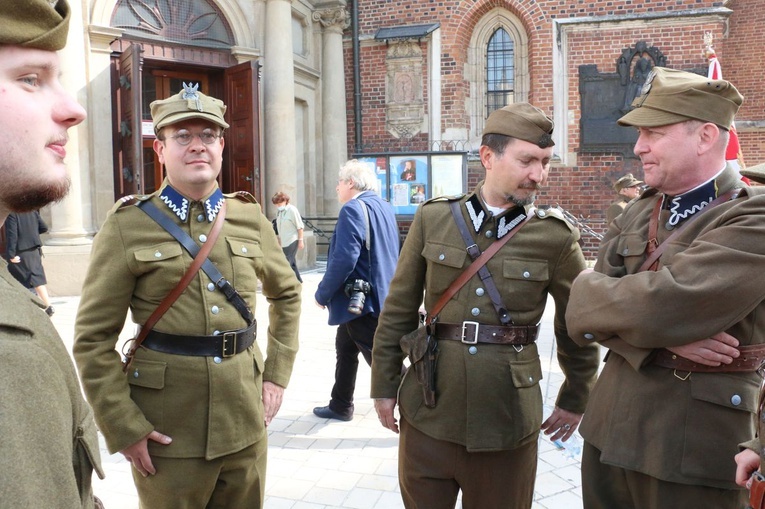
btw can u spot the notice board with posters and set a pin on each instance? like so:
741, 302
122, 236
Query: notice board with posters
408, 179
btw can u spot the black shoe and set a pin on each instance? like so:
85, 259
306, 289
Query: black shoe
49, 310
327, 413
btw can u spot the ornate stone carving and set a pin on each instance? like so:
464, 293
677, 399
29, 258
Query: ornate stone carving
405, 108
647, 58
337, 18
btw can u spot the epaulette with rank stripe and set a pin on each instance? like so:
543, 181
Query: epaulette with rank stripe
242, 196
444, 198
546, 211
131, 199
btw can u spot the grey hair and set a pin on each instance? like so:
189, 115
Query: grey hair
362, 176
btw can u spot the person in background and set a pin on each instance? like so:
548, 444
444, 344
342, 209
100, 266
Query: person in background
191, 408
362, 257
674, 298
50, 445
289, 228
481, 436
23, 249
628, 188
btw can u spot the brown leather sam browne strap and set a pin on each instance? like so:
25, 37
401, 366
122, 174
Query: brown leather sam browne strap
168, 301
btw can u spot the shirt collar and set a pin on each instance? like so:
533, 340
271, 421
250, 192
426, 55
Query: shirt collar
179, 204
683, 206
504, 222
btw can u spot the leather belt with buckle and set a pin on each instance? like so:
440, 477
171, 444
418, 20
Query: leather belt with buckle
473, 332
750, 359
225, 344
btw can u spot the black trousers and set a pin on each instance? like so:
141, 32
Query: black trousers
352, 338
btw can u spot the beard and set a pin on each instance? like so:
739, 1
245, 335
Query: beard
33, 196
528, 199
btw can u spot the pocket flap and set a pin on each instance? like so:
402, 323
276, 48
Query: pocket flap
725, 390
259, 364
631, 245
87, 439
145, 373
445, 255
244, 248
159, 252
526, 373
526, 270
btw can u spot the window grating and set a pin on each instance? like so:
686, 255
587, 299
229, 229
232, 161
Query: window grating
500, 71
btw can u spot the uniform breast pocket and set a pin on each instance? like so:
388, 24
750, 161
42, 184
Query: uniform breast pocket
246, 258
631, 249
444, 265
525, 283
161, 267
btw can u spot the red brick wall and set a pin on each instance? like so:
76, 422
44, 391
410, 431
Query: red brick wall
585, 188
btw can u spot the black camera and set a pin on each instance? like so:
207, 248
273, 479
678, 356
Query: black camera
357, 290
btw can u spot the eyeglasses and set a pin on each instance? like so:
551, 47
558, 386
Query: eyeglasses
183, 138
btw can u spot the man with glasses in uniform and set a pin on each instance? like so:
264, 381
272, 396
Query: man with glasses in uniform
191, 410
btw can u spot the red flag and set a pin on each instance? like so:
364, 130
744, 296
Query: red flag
733, 154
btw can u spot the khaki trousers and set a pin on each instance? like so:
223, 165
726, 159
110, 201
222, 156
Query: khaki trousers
432, 472
235, 480
608, 487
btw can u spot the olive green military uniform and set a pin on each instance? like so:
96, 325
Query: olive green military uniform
49, 442
616, 208
757, 174
488, 395
50, 446
210, 406
646, 418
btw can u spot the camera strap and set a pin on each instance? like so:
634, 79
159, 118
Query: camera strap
368, 232
207, 266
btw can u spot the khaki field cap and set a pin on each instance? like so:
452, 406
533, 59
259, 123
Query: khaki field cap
187, 104
670, 96
626, 181
755, 173
522, 121
37, 24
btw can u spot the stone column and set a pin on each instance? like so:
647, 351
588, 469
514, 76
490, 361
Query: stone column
66, 227
334, 128
279, 103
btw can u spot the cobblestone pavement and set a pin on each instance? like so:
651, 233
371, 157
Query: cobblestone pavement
314, 463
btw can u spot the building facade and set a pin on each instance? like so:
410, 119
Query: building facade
581, 62
310, 83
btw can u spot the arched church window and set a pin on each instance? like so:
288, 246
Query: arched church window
500, 71
188, 22
498, 67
